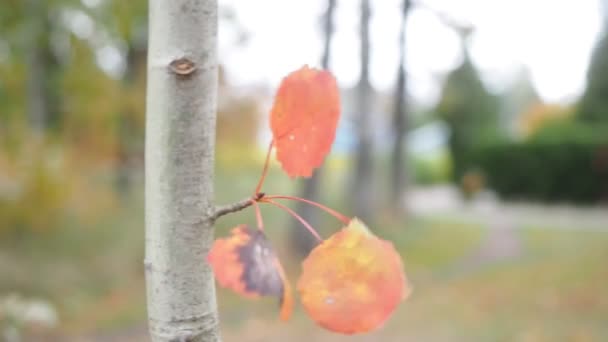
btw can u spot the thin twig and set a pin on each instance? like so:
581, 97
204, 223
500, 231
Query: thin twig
231, 208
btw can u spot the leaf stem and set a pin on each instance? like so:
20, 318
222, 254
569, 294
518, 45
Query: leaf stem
330, 211
258, 214
264, 170
296, 216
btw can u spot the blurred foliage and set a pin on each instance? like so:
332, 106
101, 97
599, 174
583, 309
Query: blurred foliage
235, 156
563, 159
471, 113
540, 115
86, 103
561, 163
433, 169
571, 130
33, 195
43, 185
593, 106
49, 170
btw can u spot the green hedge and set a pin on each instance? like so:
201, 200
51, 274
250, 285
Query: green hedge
547, 170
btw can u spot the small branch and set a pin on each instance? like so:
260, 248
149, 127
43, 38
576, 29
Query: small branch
231, 208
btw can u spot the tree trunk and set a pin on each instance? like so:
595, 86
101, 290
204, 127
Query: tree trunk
37, 69
400, 122
362, 196
301, 240
180, 138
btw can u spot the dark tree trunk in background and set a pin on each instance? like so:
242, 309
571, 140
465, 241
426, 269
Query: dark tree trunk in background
301, 240
128, 23
362, 187
38, 63
400, 123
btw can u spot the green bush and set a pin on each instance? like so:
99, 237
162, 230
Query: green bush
562, 163
570, 131
431, 169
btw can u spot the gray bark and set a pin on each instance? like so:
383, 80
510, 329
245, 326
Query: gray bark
180, 137
400, 121
302, 241
362, 197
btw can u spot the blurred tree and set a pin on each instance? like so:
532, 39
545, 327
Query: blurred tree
518, 99
361, 198
91, 101
127, 22
53, 46
52, 91
39, 61
301, 240
400, 120
593, 106
469, 110
27, 27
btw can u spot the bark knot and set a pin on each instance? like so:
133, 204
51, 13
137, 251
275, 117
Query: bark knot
182, 66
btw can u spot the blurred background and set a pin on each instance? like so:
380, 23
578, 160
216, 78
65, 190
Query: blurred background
474, 136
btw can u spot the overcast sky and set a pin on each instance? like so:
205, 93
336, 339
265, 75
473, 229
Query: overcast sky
552, 38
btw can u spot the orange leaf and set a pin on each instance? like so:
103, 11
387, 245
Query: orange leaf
304, 118
353, 281
246, 263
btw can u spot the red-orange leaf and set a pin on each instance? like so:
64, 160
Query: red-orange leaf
304, 118
246, 263
353, 281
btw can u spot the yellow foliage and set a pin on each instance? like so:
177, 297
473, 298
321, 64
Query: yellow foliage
91, 104
42, 185
539, 115
32, 189
237, 156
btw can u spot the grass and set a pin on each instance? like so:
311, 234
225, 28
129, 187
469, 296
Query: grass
554, 291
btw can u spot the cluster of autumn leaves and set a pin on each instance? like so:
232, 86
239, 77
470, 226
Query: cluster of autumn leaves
351, 282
